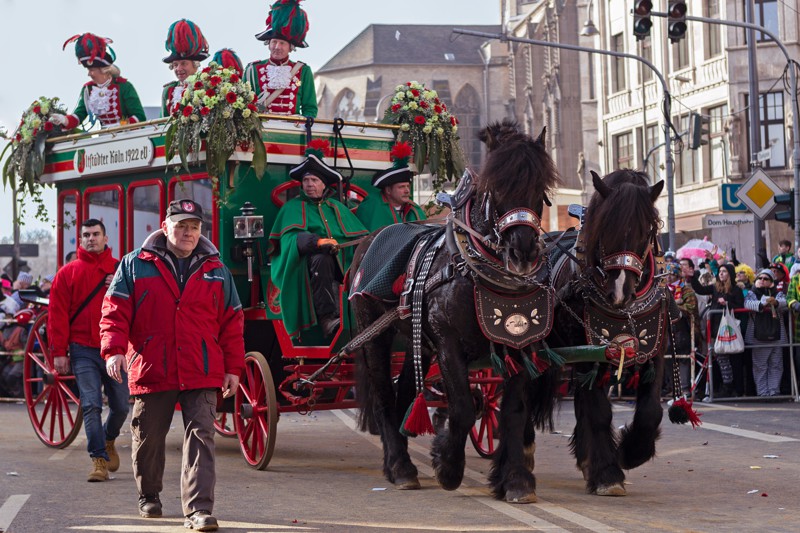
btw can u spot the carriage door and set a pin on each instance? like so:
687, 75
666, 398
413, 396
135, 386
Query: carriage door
145, 210
105, 204
69, 204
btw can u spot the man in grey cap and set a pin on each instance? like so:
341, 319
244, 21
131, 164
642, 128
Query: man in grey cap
173, 318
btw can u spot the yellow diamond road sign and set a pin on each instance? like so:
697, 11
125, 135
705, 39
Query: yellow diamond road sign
758, 193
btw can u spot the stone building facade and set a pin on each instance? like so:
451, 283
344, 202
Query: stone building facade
358, 82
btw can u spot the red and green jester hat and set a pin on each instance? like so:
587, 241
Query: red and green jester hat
283, 86
388, 205
185, 42
108, 98
324, 217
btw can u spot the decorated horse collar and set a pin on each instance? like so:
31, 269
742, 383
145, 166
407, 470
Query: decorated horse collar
478, 257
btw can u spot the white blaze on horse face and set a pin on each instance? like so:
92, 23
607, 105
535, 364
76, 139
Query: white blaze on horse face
619, 288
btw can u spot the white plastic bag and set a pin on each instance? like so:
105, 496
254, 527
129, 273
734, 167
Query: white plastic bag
729, 335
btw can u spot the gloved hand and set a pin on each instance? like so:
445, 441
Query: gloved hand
330, 246
58, 119
796, 307
114, 367
327, 242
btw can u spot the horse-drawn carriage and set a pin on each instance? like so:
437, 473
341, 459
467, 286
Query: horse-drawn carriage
121, 176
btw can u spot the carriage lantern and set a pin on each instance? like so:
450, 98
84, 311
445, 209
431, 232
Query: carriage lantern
248, 227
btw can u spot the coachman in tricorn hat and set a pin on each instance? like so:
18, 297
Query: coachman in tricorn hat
304, 247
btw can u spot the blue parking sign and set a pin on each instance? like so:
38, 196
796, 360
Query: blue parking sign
730, 202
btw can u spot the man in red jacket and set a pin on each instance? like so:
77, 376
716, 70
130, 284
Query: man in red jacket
73, 325
173, 311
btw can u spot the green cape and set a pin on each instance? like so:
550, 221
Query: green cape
375, 212
289, 270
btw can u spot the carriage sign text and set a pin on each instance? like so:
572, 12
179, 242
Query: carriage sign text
120, 155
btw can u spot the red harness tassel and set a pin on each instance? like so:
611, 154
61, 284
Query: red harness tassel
417, 420
681, 411
397, 286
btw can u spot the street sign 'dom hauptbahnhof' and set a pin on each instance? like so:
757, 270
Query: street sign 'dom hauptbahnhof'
758, 193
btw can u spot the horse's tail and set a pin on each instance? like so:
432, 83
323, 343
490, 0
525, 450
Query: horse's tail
364, 396
544, 398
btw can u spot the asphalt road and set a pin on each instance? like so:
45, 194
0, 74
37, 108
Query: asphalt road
739, 472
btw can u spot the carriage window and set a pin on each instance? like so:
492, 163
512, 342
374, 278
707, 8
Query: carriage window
202, 192
145, 211
68, 222
105, 206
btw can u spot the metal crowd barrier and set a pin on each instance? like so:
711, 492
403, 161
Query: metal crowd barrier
708, 364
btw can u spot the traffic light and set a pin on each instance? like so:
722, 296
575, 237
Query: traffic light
785, 215
641, 18
698, 130
676, 20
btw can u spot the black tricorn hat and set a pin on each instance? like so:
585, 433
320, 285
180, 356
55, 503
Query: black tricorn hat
315, 166
392, 175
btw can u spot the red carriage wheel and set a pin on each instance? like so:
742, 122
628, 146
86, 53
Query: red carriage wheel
53, 402
224, 424
487, 394
256, 411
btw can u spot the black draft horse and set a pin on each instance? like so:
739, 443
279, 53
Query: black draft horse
510, 190
610, 296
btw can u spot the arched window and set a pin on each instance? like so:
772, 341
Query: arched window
349, 106
467, 110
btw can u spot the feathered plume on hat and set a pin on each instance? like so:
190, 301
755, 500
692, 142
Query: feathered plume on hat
316, 150
185, 41
227, 58
286, 21
399, 172
91, 50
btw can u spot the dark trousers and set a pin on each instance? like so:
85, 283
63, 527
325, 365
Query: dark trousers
326, 276
152, 416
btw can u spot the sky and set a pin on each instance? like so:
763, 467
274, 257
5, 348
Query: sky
32, 33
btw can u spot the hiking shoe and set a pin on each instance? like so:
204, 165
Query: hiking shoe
150, 506
201, 521
100, 470
113, 456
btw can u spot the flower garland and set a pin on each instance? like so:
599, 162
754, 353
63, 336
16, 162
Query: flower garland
431, 130
217, 107
26, 157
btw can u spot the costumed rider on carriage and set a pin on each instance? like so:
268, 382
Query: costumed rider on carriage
187, 47
108, 98
394, 204
282, 86
304, 247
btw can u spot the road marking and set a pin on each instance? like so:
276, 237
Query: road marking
62, 454
746, 433
10, 509
510, 510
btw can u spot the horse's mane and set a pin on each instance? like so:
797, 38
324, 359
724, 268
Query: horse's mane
625, 218
518, 168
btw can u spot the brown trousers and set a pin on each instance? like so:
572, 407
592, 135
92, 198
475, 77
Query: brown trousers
152, 416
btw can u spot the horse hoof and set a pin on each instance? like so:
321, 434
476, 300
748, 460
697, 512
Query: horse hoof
529, 497
407, 484
617, 489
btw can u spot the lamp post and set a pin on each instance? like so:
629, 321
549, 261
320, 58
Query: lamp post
792, 88
589, 29
667, 105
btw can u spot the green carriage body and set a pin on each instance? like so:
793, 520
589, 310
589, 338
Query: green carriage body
123, 178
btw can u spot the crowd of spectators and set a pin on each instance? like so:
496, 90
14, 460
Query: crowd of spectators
704, 288
15, 316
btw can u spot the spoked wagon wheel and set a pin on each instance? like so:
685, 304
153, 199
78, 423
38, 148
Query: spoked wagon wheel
256, 415
487, 395
52, 400
224, 425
